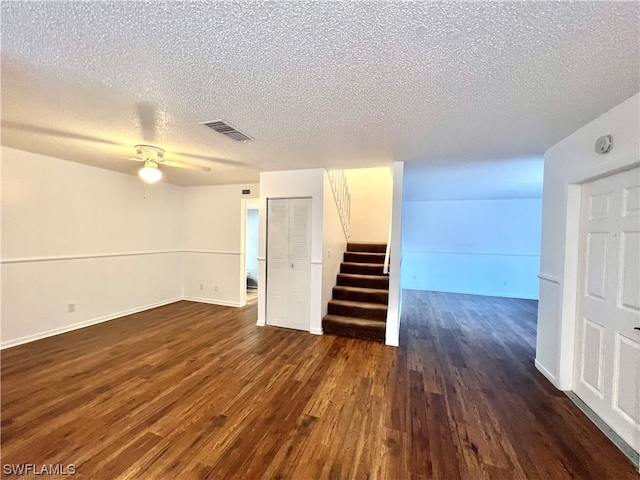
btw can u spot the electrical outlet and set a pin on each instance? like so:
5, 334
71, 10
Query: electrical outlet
72, 307
413, 278
215, 288
328, 253
202, 286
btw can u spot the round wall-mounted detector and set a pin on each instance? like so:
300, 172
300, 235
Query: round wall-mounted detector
604, 144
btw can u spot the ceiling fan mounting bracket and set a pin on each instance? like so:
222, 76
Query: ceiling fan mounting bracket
149, 152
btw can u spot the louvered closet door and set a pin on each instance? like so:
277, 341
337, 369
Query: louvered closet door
278, 262
289, 262
607, 376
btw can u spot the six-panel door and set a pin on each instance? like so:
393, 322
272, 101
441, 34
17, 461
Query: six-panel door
607, 376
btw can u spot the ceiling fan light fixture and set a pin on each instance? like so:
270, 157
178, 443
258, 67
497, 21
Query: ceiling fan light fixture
150, 173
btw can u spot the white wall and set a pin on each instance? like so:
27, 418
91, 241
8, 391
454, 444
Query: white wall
483, 247
73, 233
78, 234
371, 190
291, 184
567, 165
334, 244
395, 282
213, 243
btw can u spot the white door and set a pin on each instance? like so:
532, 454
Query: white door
607, 376
289, 263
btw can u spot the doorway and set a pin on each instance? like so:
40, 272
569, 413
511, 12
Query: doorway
250, 232
251, 252
289, 263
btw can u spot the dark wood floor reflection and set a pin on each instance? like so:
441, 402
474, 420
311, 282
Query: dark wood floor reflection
197, 391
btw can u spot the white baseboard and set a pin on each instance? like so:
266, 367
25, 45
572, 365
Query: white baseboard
545, 372
86, 323
211, 301
392, 342
113, 316
316, 331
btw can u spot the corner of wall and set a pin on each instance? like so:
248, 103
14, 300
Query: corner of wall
395, 292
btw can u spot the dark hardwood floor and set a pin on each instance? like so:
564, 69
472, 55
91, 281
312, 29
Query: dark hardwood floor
192, 390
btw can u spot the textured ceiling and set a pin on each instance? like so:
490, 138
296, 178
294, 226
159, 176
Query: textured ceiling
333, 84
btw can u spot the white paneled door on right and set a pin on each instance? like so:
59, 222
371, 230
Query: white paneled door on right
607, 376
289, 262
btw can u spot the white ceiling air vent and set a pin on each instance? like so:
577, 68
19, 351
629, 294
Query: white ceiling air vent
221, 126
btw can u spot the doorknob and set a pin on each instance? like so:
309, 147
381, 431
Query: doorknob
636, 328
291, 265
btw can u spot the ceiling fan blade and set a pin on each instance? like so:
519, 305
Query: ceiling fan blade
135, 159
146, 113
171, 163
208, 159
57, 133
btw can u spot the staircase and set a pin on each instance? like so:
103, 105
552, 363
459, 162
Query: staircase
359, 305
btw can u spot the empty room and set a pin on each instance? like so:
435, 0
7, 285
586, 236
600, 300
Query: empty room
320, 240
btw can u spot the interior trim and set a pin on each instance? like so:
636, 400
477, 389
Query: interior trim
214, 252
596, 173
313, 262
223, 303
57, 258
543, 370
112, 316
85, 323
549, 278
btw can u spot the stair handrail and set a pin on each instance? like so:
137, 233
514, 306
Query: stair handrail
342, 197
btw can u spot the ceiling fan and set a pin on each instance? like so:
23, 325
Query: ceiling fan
153, 157
148, 122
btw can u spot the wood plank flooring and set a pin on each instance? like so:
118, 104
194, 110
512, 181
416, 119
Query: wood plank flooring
198, 391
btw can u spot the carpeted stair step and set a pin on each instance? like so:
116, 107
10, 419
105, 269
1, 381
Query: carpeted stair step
346, 308
364, 257
361, 268
366, 247
359, 294
354, 327
358, 308
364, 281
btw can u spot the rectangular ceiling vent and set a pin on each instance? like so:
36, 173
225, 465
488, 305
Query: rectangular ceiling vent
223, 127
